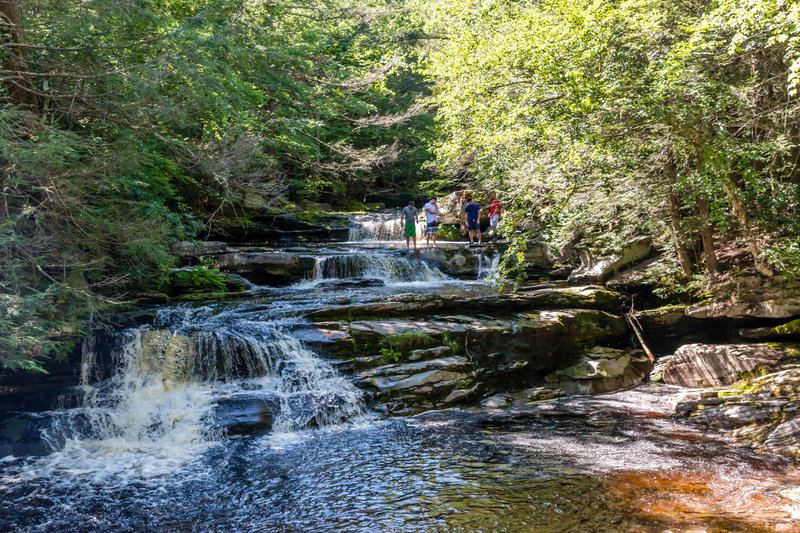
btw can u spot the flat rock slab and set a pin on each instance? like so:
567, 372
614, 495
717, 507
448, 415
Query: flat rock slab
267, 268
405, 305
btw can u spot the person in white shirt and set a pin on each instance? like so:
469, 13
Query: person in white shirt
431, 221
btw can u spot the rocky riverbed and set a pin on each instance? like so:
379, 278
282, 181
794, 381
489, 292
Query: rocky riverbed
314, 337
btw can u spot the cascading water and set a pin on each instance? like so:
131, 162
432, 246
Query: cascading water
487, 265
181, 384
389, 268
380, 227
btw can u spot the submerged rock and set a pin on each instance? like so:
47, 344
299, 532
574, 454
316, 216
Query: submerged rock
708, 365
351, 283
603, 370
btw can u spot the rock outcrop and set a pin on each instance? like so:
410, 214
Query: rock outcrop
602, 370
762, 412
708, 365
527, 299
752, 297
267, 268
598, 270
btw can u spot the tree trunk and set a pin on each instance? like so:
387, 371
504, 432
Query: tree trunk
707, 234
20, 88
740, 211
677, 234
675, 219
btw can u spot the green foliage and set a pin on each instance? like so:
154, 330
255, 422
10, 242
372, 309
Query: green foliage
389, 356
587, 117
454, 345
203, 279
141, 120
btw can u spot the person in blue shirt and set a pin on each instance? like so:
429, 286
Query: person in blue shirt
472, 220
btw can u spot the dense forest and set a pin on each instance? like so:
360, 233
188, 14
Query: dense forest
126, 126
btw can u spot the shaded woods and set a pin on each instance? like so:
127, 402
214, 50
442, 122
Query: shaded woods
125, 126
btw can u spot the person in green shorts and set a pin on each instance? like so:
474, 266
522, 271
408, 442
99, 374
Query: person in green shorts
409, 219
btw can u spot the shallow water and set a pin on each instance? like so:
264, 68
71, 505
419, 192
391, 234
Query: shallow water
609, 463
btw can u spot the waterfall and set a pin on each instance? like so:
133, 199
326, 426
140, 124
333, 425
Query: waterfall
387, 267
380, 227
487, 265
174, 383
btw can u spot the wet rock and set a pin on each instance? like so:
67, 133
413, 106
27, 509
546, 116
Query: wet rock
412, 305
790, 330
785, 437
544, 339
429, 353
264, 268
600, 269
459, 396
498, 401
733, 416
603, 370
413, 387
705, 365
538, 394
752, 297
416, 376
762, 412
351, 283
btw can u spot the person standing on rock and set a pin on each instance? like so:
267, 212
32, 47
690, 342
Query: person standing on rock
432, 213
408, 218
494, 215
472, 220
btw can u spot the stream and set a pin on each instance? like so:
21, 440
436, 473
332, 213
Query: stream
221, 416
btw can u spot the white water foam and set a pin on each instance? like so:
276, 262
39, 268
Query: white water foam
162, 408
390, 269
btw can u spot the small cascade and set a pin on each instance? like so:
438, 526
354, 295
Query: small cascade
173, 383
487, 265
380, 227
387, 267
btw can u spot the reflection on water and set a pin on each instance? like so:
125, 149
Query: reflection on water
613, 463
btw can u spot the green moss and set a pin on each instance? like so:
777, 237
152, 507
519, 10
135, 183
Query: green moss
406, 340
790, 328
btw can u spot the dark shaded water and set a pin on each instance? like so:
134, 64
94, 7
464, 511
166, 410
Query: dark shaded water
612, 463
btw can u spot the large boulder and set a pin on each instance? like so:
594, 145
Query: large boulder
708, 365
598, 270
752, 297
602, 370
410, 388
267, 268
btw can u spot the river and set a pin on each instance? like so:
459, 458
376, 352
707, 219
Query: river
221, 416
